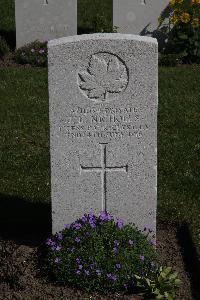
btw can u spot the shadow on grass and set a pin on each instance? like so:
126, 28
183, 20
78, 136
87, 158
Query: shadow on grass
25, 222
10, 37
190, 257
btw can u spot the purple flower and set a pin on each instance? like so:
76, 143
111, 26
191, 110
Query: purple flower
87, 272
152, 242
84, 219
57, 260
41, 51
142, 257
49, 242
80, 267
91, 214
115, 249
59, 236
57, 248
98, 272
32, 50
118, 266
126, 286
120, 223
130, 242
104, 216
92, 224
78, 260
53, 247
77, 239
77, 226
67, 226
116, 243
111, 277
78, 272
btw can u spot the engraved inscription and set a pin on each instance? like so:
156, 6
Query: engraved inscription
105, 77
45, 2
103, 169
104, 122
143, 2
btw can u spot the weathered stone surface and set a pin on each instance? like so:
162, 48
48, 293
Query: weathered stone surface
140, 16
103, 127
44, 20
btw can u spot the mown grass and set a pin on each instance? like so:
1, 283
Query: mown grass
24, 142
24, 146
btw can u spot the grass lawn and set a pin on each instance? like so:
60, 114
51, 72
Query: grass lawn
24, 135
24, 147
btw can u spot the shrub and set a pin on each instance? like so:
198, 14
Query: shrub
34, 54
4, 48
99, 254
184, 37
101, 24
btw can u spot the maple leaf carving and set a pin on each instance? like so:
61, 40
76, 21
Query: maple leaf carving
103, 77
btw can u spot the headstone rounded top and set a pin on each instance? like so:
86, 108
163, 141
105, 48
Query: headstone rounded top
101, 36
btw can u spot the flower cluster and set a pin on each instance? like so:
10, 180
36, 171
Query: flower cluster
183, 34
186, 12
100, 253
34, 54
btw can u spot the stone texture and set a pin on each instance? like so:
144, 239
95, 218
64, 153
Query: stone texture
103, 127
44, 20
140, 17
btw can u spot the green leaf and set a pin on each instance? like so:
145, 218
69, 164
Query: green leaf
167, 296
177, 282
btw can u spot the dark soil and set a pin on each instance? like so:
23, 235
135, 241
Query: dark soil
20, 277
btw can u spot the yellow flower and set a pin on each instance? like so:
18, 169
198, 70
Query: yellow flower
179, 1
174, 19
195, 2
185, 17
195, 23
177, 11
172, 2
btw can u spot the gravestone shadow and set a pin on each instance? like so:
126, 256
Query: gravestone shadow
25, 222
10, 37
161, 33
190, 257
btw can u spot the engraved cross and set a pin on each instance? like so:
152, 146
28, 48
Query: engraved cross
103, 169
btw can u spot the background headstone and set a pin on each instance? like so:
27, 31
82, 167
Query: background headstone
103, 127
140, 17
44, 20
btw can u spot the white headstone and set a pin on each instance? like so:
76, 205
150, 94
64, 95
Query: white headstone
44, 20
103, 95
138, 16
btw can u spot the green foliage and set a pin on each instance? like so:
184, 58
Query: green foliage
163, 286
34, 54
102, 24
185, 40
98, 254
169, 60
4, 48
